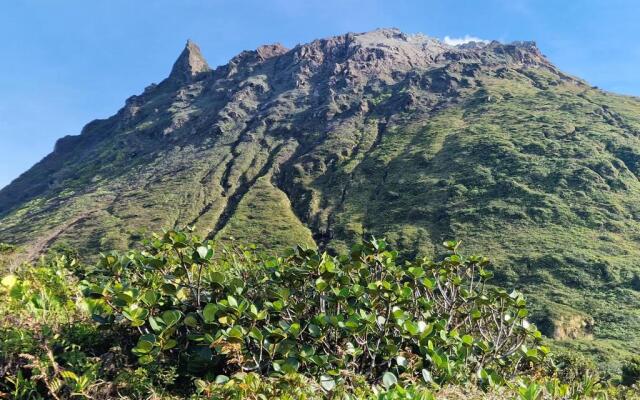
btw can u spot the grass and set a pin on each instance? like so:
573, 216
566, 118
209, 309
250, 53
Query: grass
264, 217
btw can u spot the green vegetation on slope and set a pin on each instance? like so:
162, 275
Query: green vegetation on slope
264, 217
532, 170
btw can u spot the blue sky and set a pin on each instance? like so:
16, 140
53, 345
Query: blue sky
65, 63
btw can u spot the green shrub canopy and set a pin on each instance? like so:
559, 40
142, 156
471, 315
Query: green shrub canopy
328, 317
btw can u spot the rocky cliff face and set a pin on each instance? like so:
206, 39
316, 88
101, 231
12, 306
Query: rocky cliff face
379, 133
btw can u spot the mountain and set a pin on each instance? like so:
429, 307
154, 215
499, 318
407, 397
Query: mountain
378, 133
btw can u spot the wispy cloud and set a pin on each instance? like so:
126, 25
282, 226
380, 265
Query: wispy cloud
466, 39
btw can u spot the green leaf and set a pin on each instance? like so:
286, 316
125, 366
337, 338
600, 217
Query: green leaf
329, 266
150, 297
220, 379
314, 330
145, 344
209, 313
191, 320
171, 317
155, 324
146, 359
450, 244
135, 314
169, 289
278, 305
321, 284
412, 328
389, 379
256, 334
416, 272
429, 283
137, 322
294, 329
177, 237
216, 277
143, 347
125, 298
291, 365
169, 344
16, 292
69, 375
467, 339
235, 332
232, 301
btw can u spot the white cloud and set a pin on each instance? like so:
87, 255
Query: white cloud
466, 39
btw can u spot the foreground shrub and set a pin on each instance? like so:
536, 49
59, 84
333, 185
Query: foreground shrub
46, 342
183, 319
328, 317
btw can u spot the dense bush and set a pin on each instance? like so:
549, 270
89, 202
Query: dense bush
44, 333
631, 372
183, 317
329, 317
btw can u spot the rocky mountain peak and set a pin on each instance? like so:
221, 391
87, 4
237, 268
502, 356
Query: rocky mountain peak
271, 50
190, 64
387, 53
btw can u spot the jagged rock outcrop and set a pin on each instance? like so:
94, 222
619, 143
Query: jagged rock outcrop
190, 66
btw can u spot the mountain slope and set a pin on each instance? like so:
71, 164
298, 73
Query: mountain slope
381, 134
